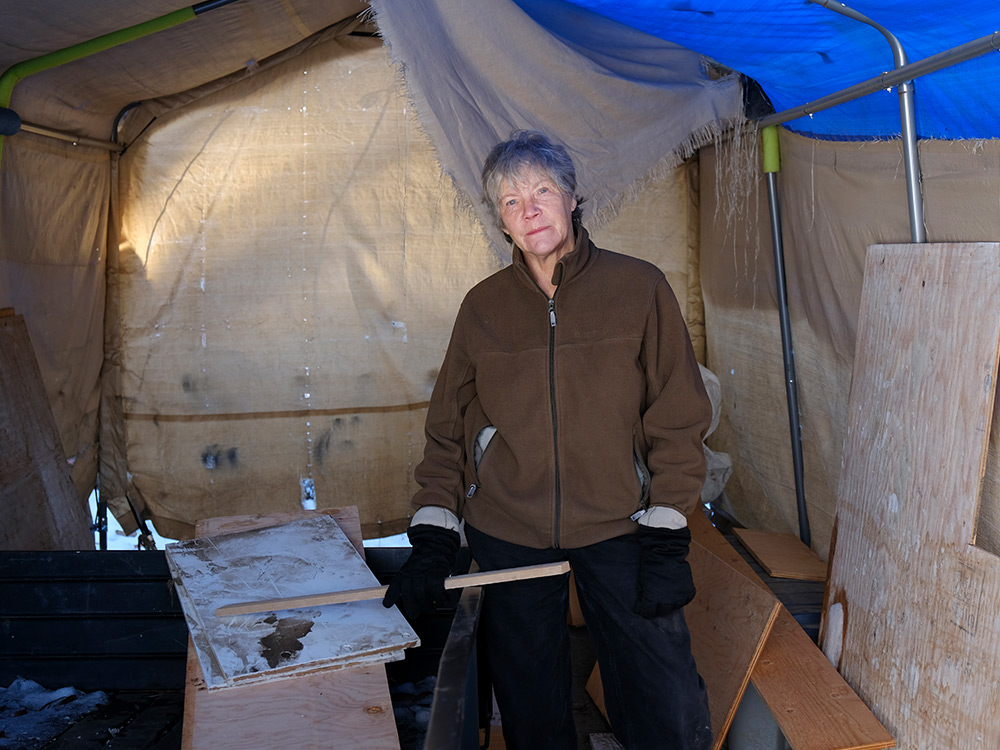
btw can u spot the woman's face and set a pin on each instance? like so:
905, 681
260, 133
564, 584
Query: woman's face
538, 215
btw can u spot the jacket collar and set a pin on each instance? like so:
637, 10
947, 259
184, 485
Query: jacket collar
570, 265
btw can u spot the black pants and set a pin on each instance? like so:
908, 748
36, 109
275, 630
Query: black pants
652, 691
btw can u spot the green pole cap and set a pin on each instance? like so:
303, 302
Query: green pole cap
772, 154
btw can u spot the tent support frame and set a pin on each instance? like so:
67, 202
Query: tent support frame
907, 117
902, 76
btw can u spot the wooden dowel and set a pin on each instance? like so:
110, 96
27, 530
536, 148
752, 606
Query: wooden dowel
377, 592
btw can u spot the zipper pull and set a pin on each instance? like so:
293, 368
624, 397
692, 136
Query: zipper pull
638, 514
472, 491
552, 313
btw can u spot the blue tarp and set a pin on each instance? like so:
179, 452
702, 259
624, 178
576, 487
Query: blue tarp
799, 51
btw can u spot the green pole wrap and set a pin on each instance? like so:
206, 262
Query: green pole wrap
19, 71
772, 154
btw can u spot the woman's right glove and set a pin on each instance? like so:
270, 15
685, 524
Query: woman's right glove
419, 584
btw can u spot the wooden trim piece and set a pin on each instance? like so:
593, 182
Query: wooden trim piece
376, 592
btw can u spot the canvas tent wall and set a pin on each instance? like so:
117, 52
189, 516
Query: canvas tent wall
283, 265
240, 173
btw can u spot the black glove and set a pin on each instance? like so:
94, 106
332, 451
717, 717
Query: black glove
419, 584
665, 582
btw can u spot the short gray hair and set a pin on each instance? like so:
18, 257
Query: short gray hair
524, 150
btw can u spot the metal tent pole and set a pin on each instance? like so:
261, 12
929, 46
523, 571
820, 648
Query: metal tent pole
772, 165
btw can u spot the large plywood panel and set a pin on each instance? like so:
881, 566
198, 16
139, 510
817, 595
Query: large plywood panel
912, 602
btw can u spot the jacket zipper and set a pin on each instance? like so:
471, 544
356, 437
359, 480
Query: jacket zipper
555, 426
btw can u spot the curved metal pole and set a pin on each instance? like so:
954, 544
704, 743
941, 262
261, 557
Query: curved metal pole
19, 71
907, 118
772, 165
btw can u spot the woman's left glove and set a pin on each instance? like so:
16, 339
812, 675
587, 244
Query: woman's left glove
665, 582
419, 584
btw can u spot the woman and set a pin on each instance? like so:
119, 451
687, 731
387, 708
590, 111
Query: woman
567, 424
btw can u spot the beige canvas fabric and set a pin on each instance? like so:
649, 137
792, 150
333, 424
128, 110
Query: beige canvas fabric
53, 224
836, 199
55, 195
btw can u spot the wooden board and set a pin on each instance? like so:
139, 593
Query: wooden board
729, 621
41, 510
920, 634
347, 518
349, 709
812, 704
346, 708
782, 555
297, 558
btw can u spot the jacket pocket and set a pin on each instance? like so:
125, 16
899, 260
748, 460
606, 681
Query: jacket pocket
480, 446
642, 472
478, 435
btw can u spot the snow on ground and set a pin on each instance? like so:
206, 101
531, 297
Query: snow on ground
30, 715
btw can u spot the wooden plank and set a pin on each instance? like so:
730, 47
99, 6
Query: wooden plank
812, 704
348, 518
729, 620
302, 557
377, 592
703, 532
782, 555
348, 708
40, 504
911, 607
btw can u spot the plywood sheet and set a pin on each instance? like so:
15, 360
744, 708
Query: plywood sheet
911, 601
41, 510
730, 619
782, 555
302, 557
348, 709
348, 519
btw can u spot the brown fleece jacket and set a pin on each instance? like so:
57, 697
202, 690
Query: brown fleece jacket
589, 392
